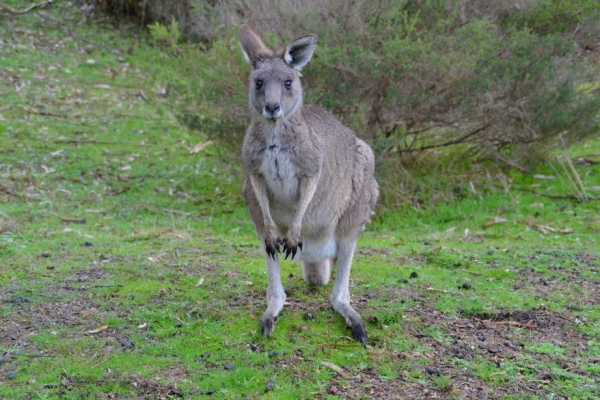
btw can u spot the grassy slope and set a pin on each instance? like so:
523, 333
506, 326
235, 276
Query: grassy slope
167, 274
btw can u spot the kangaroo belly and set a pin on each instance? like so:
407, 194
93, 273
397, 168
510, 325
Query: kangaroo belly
316, 250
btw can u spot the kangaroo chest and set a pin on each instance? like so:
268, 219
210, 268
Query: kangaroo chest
280, 173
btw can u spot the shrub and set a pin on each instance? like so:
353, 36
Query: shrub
421, 81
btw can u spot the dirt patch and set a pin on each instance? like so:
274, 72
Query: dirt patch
568, 282
89, 274
27, 318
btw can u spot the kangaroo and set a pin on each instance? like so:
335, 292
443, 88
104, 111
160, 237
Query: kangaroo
309, 183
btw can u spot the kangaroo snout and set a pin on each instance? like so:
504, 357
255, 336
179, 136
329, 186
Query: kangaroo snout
272, 110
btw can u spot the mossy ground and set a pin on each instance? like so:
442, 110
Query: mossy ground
129, 267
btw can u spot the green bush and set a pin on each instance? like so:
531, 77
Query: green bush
463, 82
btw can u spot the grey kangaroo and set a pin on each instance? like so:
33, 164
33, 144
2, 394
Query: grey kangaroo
309, 183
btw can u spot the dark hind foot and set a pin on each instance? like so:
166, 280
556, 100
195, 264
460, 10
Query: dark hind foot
359, 331
268, 325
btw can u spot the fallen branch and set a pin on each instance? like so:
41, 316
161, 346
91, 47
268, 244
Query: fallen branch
82, 288
94, 141
43, 113
563, 316
496, 324
11, 10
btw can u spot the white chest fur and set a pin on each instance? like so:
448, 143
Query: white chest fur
280, 173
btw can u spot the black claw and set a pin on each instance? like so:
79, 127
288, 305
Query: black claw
300, 245
294, 251
287, 253
360, 334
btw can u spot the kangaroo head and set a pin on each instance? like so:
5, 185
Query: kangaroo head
275, 90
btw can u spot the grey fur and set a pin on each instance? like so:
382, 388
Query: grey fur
309, 183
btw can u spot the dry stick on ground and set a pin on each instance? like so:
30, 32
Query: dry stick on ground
11, 10
583, 194
6, 190
82, 288
549, 196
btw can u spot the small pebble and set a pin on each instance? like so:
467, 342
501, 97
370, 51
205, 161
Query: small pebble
309, 315
481, 337
402, 301
466, 286
403, 280
253, 347
426, 243
273, 353
413, 275
128, 344
178, 324
489, 253
229, 367
88, 244
3, 360
11, 375
269, 387
433, 371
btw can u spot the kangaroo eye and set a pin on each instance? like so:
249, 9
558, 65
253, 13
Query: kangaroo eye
258, 83
288, 84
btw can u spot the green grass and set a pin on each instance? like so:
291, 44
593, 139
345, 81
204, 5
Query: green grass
163, 283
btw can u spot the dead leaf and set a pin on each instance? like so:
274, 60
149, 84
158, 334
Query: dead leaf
111, 73
143, 326
48, 170
201, 146
337, 369
121, 190
89, 312
200, 282
6, 107
496, 220
97, 330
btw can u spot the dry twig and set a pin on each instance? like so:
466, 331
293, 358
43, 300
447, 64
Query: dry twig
33, 6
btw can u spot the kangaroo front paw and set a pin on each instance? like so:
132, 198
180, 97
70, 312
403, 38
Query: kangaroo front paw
272, 246
291, 246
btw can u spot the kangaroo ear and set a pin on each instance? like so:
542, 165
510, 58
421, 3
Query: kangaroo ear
300, 51
254, 49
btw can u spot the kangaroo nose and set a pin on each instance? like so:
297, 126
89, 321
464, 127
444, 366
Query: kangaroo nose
272, 108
